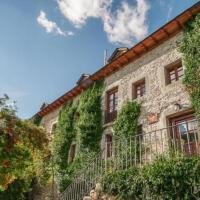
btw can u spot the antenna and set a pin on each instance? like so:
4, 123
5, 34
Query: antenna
105, 56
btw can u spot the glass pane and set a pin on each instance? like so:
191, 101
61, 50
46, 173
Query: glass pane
111, 109
180, 72
172, 77
182, 128
116, 103
192, 125
143, 89
111, 97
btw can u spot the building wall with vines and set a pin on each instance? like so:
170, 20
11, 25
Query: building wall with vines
160, 99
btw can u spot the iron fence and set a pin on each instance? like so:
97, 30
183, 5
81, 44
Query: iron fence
125, 152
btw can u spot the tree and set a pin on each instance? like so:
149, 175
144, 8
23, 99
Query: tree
23, 147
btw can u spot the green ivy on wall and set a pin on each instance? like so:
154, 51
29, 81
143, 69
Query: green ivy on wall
126, 124
190, 48
79, 122
89, 124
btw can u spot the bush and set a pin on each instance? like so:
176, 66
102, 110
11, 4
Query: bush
176, 178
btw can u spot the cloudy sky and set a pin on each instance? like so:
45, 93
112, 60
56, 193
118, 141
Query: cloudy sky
45, 45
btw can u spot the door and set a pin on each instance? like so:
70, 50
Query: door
185, 135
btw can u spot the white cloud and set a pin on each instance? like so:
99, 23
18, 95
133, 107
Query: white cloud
126, 25
78, 11
50, 26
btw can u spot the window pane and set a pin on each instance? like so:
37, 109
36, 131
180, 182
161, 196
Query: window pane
143, 89
182, 128
140, 89
116, 103
192, 125
180, 71
111, 97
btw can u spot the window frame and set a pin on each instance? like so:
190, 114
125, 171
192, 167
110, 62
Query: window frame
135, 86
173, 67
111, 115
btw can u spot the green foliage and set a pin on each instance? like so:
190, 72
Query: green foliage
126, 124
66, 175
36, 120
23, 147
18, 190
189, 47
64, 134
176, 178
80, 122
125, 184
90, 120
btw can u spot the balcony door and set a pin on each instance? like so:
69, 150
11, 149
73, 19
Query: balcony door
185, 135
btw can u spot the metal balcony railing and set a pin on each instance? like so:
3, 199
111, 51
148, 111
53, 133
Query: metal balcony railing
139, 150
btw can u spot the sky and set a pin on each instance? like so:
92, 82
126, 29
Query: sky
45, 45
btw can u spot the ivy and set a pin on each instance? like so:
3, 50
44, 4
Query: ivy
89, 124
64, 134
176, 178
190, 48
126, 124
80, 122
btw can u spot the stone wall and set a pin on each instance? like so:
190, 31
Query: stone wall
160, 98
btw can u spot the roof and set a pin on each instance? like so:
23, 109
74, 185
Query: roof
164, 33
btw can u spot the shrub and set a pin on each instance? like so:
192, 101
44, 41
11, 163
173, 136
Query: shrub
176, 178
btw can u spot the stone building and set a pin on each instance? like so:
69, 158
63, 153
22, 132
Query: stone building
150, 72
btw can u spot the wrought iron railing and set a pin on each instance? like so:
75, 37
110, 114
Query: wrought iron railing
134, 151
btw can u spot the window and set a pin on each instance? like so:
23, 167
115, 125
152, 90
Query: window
112, 105
174, 73
72, 152
139, 89
184, 134
108, 145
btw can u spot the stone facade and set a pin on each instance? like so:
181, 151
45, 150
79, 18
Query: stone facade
160, 99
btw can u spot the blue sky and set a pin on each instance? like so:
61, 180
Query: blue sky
45, 45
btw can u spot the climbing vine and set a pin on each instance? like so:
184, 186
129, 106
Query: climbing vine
89, 124
126, 124
189, 47
79, 122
